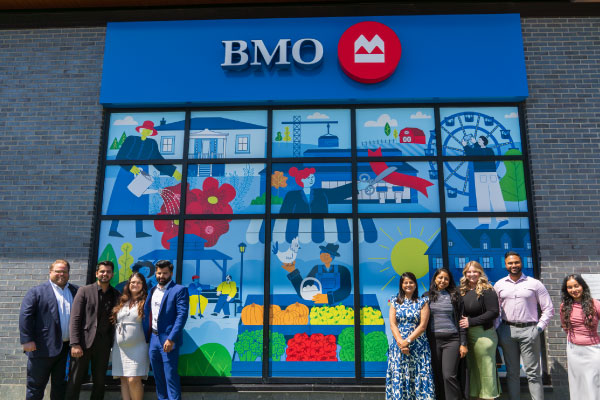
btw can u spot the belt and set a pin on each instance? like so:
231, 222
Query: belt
520, 324
154, 331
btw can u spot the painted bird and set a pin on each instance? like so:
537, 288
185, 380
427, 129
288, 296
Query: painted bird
288, 256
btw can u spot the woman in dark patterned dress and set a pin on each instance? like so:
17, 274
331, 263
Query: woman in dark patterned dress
409, 375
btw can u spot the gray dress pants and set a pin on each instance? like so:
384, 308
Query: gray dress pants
523, 343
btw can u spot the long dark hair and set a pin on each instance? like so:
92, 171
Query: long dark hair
126, 296
415, 295
587, 304
451, 289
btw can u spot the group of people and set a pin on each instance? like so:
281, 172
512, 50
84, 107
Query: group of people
445, 343
142, 327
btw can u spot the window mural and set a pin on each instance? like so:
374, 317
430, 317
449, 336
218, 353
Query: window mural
227, 134
311, 133
480, 131
402, 245
397, 131
397, 187
354, 215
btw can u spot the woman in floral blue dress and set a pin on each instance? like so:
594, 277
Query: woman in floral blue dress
409, 375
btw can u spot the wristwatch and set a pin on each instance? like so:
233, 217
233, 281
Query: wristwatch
408, 340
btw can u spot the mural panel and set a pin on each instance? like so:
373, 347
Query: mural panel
312, 188
480, 131
312, 302
397, 131
145, 136
467, 242
397, 187
311, 133
402, 245
224, 275
132, 252
227, 134
485, 186
141, 190
225, 189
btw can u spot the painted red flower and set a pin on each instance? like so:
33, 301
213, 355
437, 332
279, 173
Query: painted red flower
171, 196
212, 199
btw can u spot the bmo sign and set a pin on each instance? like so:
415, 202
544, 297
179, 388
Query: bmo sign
368, 52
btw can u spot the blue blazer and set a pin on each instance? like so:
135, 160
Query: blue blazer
39, 321
172, 315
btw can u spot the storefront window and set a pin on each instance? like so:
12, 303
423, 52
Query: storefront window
295, 224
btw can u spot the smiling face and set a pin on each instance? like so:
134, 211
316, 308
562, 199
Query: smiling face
104, 274
513, 265
163, 275
59, 274
442, 280
574, 289
472, 274
135, 286
408, 286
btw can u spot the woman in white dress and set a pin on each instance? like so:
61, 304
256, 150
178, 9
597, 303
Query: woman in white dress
130, 359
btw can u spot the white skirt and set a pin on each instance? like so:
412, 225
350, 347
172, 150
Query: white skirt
584, 371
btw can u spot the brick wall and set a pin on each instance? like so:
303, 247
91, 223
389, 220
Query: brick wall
50, 130
563, 68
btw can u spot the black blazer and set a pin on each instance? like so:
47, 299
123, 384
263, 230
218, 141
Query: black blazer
84, 314
39, 320
458, 310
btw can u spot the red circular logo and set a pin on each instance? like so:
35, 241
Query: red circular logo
369, 52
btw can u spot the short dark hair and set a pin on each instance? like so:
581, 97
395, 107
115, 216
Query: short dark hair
512, 253
484, 140
106, 264
164, 264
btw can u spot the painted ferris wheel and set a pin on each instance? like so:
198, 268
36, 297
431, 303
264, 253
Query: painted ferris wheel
459, 131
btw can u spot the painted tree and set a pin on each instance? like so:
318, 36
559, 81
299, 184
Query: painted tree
512, 183
125, 262
387, 129
122, 140
115, 145
278, 180
395, 134
286, 134
108, 254
278, 137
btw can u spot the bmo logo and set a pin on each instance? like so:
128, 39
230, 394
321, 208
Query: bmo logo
369, 52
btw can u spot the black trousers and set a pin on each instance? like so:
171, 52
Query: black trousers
445, 358
39, 371
98, 355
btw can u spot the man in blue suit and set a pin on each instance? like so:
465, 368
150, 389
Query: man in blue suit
44, 331
165, 314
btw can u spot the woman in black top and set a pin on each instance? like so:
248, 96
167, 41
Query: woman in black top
448, 341
480, 310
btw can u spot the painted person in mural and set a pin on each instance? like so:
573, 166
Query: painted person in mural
198, 302
123, 200
334, 280
226, 292
487, 183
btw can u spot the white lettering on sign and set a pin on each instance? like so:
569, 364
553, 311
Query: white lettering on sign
306, 54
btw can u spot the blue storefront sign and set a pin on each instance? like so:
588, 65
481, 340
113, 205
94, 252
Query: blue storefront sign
445, 58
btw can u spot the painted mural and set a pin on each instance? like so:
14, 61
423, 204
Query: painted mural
309, 244
397, 131
402, 245
311, 133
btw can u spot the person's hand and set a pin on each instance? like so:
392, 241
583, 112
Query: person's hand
463, 350
229, 298
320, 298
536, 332
403, 344
134, 170
177, 175
218, 292
464, 322
463, 142
405, 350
29, 346
168, 346
76, 351
289, 267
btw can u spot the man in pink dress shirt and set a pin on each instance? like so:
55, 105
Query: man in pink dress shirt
519, 332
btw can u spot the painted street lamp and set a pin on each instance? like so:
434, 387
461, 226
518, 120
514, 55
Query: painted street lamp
242, 247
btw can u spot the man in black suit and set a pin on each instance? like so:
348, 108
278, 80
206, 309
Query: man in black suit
92, 332
44, 331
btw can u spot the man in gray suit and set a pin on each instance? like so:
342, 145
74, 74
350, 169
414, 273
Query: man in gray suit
92, 332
